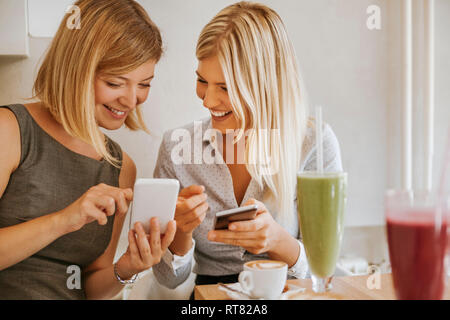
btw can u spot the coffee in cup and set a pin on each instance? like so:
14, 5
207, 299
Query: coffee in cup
265, 264
264, 278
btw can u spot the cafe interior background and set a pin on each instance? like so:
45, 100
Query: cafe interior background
353, 56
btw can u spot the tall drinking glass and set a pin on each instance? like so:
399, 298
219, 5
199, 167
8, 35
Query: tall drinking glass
417, 238
447, 258
321, 200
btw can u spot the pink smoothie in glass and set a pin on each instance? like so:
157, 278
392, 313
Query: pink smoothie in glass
417, 250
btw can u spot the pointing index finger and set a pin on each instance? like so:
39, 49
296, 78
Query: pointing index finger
128, 192
192, 202
191, 190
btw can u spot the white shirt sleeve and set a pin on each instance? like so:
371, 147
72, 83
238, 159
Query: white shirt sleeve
174, 261
300, 268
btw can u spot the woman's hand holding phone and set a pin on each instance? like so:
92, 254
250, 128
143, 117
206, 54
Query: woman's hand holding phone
257, 236
189, 214
145, 250
191, 208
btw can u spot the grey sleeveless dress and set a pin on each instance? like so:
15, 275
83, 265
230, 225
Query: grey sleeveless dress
49, 178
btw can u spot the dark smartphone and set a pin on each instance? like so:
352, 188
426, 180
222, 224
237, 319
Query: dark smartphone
223, 218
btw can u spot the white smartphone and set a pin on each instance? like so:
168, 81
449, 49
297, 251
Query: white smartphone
154, 198
223, 218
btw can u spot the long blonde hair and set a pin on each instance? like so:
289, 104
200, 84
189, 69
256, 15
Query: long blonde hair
115, 38
266, 92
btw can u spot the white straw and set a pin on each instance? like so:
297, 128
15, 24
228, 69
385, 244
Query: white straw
429, 95
445, 171
407, 99
441, 205
319, 139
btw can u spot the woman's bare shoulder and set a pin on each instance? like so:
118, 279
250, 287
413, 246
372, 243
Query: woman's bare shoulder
10, 146
9, 131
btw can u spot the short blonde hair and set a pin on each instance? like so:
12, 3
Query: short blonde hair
266, 92
115, 38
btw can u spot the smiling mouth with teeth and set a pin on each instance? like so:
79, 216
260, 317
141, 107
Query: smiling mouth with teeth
220, 114
115, 111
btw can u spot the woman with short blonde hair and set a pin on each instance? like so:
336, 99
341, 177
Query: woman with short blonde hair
248, 79
115, 38
64, 185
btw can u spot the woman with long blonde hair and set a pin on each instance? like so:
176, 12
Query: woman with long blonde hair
248, 79
64, 185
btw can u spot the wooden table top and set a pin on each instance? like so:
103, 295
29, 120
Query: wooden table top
367, 287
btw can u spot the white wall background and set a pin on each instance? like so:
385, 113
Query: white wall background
353, 72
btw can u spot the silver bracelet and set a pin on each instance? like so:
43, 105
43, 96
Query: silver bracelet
124, 282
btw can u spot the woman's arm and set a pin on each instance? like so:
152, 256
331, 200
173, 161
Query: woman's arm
20, 241
261, 235
190, 212
9, 145
23, 240
100, 282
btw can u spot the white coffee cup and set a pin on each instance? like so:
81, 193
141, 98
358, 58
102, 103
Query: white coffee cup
264, 278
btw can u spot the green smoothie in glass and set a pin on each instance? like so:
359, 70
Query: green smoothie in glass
321, 199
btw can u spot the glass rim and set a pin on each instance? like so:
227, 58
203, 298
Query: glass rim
413, 198
322, 174
409, 206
